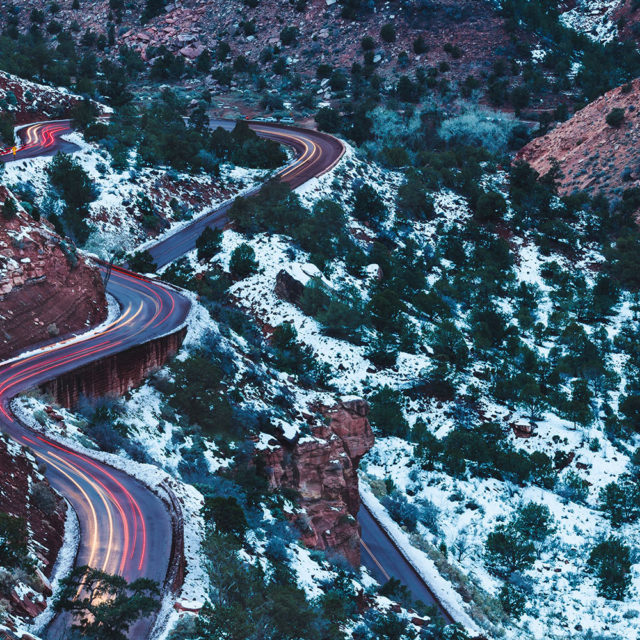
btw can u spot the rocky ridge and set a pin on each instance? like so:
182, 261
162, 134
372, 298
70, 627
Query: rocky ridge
592, 155
322, 469
47, 289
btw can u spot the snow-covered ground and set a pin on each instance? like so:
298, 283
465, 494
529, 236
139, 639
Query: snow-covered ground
594, 18
563, 595
115, 215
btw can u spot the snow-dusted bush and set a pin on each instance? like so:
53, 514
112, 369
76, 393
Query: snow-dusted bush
490, 129
401, 510
428, 514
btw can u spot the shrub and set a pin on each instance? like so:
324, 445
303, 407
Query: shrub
407, 91
152, 9
368, 205
243, 261
328, 120
453, 50
507, 551
13, 542
208, 243
44, 498
477, 126
401, 510
420, 46
386, 413
490, 206
142, 262
227, 515
534, 521
388, 33
513, 600
289, 36
76, 189
620, 501
324, 71
9, 209
368, 43
610, 560
615, 117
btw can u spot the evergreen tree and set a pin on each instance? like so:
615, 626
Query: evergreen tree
208, 243
386, 413
579, 405
243, 261
610, 560
9, 208
104, 605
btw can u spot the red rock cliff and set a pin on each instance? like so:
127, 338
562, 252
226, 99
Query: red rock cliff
114, 375
46, 289
323, 470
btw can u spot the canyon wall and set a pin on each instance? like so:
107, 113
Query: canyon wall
322, 469
47, 290
116, 374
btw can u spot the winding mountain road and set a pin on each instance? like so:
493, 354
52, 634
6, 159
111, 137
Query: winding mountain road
125, 527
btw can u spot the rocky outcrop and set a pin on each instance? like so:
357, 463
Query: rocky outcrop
116, 374
322, 470
25, 493
46, 288
592, 155
287, 287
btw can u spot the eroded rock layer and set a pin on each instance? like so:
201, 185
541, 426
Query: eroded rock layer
47, 289
322, 469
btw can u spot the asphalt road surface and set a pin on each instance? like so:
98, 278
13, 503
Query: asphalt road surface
125, 528
315, 153
384, 561
40, 139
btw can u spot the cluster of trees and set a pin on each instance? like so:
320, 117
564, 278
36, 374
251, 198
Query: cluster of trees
199, 392
162, 135
485, 451
291, 356
74, 186
512, 548
277, 209
14, 539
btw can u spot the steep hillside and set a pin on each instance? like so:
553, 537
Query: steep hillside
325, 31
32, 526
46, 288
26, 101
594, 151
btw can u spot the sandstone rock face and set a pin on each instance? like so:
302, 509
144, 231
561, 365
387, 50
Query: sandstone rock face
46, 288
593, 156
323, 470
117, 374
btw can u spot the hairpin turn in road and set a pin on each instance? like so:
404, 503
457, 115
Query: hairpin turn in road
125, 528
